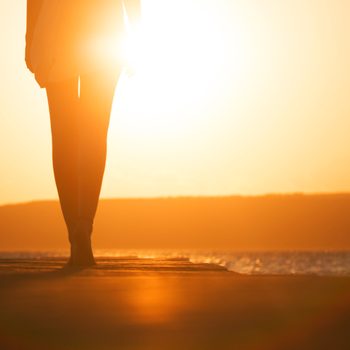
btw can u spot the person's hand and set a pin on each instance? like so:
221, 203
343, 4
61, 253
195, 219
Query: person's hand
28, 59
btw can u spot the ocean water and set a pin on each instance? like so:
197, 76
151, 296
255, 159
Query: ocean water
323, 263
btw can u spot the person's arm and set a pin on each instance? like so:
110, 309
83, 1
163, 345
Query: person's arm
133, 11
33, 9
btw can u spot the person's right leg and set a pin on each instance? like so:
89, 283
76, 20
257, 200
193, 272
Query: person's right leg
64, 111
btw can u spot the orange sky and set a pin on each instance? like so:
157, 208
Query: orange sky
232, 96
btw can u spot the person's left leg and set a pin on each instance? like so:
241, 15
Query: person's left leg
95, 103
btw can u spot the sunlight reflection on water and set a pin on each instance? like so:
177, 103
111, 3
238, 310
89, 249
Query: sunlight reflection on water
332, 263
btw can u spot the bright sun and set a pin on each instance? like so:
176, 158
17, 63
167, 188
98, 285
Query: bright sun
179, 58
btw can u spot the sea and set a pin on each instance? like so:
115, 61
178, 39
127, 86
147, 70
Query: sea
322, 263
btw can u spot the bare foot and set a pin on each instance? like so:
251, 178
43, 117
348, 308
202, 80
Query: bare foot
81, 250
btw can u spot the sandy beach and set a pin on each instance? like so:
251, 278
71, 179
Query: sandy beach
132, 303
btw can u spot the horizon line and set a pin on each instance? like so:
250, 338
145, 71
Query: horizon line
194, 196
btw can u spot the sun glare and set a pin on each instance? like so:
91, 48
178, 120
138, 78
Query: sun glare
177, 62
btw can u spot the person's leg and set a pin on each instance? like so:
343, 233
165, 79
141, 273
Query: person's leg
79, 127
63, 106
96, 97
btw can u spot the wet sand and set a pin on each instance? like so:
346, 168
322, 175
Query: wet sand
131, 303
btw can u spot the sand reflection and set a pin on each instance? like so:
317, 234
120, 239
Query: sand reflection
153, 300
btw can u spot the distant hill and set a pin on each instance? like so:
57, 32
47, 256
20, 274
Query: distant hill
235, 222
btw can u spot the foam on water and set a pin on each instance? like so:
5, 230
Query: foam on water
331, 263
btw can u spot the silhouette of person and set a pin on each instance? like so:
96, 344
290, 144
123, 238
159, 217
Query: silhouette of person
69, 48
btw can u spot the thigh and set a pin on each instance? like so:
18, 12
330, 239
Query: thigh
96, 98
63, 103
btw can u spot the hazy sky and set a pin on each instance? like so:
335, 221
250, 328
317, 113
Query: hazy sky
243, 96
